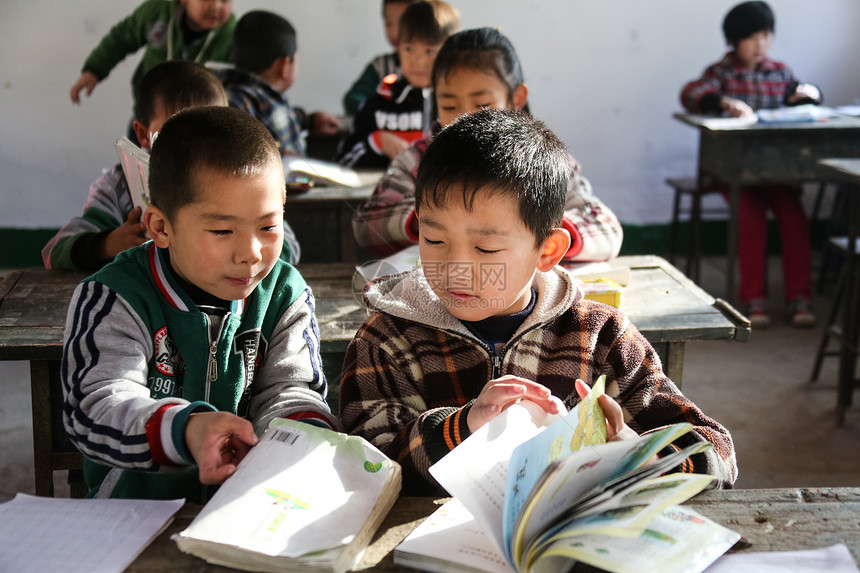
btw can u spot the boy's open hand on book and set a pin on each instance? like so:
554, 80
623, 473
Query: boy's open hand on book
616, 429
497, 395
218, 441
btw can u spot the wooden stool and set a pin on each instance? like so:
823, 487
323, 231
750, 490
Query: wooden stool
833, 330
689, 186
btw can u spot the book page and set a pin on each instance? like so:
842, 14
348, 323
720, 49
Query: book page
321, 171
451, 535
583, 426
476, 471
679, 540
834, 559
135, 166
300, 489
78, 535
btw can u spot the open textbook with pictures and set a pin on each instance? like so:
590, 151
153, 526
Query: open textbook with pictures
544, 492
303, 499
135, 166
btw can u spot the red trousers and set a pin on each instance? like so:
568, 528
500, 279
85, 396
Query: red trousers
784, 202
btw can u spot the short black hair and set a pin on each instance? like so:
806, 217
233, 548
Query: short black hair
499, 151
746, 19
260, 38
429, 21
178, 84
222, 139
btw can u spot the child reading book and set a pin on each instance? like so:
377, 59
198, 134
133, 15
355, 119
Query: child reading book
182, 348
475, 69
489, 320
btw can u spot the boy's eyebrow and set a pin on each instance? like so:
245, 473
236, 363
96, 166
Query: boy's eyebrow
229, 217
484, 231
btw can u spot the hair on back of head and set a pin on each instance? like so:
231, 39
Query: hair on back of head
429, 21
501, 152
225, 140
483, 49
746, 19
260, 38
177, 84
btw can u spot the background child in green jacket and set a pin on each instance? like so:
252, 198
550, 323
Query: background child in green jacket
489, 320
197, 30
179, 352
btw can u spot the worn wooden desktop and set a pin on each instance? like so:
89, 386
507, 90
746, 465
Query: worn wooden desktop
766, 153
768, 519
667, 307
847, 173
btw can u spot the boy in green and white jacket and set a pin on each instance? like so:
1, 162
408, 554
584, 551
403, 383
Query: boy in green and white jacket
179, 352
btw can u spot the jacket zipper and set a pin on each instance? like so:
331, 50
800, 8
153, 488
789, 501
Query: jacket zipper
212, 365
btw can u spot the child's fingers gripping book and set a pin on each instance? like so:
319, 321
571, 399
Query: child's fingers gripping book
303, 499
560, 494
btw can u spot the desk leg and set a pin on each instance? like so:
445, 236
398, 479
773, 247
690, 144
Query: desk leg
674, 365
40, 393
850, 338
732, 242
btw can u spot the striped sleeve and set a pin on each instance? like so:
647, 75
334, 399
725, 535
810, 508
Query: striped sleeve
290, 382
104, 369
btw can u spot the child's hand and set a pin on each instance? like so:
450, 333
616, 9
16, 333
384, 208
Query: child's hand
323, 123
616, 429
87, 81
129, 234
735, 107
804, 91
392, 144
502, 392
218, 441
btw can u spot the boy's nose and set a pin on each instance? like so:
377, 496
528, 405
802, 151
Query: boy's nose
251, 252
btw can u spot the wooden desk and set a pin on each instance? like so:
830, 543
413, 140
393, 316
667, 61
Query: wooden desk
322, 220
847, 172
769, 519
767, 153
668, 308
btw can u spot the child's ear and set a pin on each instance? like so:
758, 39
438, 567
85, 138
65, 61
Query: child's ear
158, 226
520, 96
142, 134
554, 248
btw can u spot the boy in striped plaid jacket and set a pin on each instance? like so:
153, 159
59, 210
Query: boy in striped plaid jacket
490, 320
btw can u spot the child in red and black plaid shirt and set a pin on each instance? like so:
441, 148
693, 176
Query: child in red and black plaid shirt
744, 81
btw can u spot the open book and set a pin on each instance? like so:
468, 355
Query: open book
546, 496
303, 499
135, 166
320, 172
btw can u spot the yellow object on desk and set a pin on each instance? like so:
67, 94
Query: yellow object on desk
603, 290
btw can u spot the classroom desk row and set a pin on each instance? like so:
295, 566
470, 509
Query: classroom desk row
768, 519
760, 153
668, 309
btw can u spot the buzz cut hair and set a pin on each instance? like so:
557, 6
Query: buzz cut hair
224, 140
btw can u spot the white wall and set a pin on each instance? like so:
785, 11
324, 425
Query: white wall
605, 75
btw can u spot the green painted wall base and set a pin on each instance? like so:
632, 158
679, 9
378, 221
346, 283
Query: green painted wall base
22, 247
